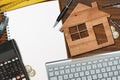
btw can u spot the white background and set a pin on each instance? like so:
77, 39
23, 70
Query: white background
38, 41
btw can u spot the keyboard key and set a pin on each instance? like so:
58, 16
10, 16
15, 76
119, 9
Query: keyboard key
76, 74
99, 65
115, 62
89, 77
56, 68
81, 73
109, 79
106, 60
92, 71
78, 79
114, 78
78, 69
94, 76
108, 69
105, 74
84, 63
62, 71
97, 71
100, 60
112, 58
89, 62
104, 64
72, 69
103, 70
94, 61
50, 69
88, 67
110, 63
117, 57
67, 71
110, 73
83, 68
56, 72
53, 78
61, 67
94, 66
119, 61
60, 78
67, 66
87, 73
65, 76
103, 79
78, 64
100, 76
118, 67
51, 74
116, 73
118, 77
113, 68
84, 78
70, 75
73, 65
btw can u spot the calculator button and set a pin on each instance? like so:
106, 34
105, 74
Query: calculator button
1, 64
22, 75
16, 58
9, 61
13, 60
18, 77
13, 78
5, 63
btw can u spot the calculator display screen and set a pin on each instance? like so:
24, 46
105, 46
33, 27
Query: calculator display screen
8, 54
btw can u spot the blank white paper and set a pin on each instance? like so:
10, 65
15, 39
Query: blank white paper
38, 41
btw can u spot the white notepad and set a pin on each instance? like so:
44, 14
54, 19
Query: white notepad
38, 41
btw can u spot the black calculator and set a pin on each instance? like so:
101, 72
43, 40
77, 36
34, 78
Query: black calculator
11, 63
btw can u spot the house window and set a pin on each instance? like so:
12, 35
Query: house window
78, 32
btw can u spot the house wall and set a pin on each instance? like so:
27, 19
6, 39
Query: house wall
89, 43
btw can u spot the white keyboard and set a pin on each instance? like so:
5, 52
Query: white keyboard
100, 67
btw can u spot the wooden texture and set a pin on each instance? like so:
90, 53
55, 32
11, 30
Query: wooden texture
115, 15
83, 14
1, 15
4, 36
83, 43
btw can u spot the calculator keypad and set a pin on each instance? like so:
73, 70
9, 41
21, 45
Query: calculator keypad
12, 70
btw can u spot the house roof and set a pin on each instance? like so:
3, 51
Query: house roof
84, 14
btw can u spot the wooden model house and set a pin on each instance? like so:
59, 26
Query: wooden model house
81, 29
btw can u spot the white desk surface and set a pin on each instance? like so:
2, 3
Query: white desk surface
38, 41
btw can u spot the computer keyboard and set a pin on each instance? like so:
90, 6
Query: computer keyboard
99, 67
